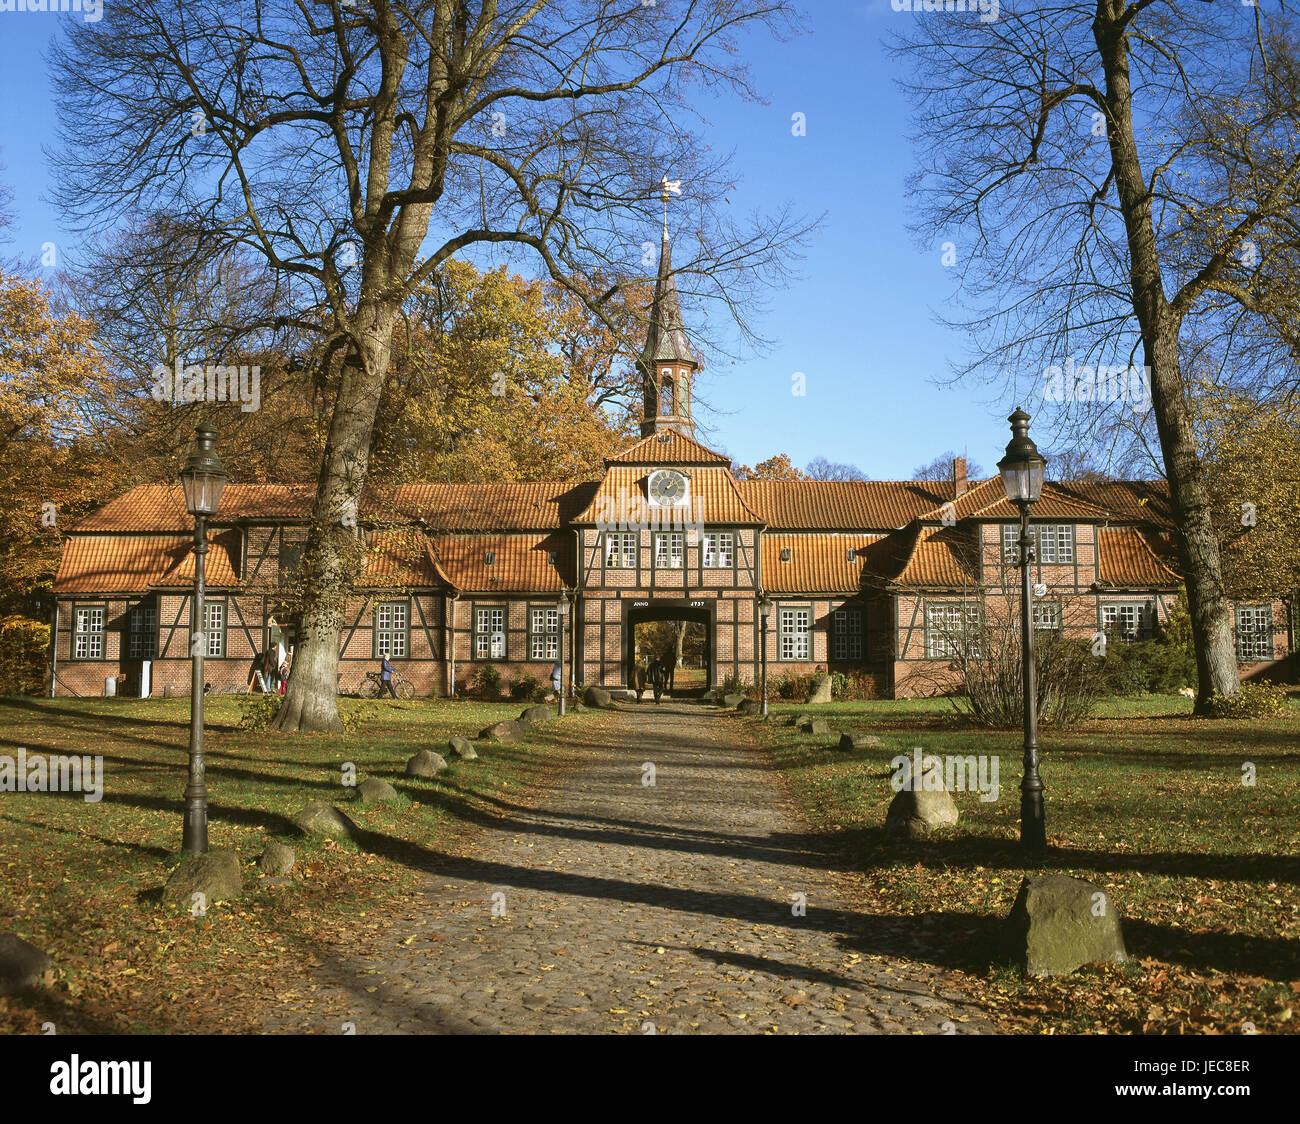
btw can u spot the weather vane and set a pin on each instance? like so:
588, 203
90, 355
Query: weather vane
668, 187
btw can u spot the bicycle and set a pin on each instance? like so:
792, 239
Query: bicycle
372, 686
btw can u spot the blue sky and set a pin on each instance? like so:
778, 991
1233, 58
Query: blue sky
858, 321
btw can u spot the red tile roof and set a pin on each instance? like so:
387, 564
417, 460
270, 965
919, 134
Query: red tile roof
104, 564
521, 563
843, 505
988, 500
1128, 559
669, 447
818, 563
621, 498
403, 558
935, 558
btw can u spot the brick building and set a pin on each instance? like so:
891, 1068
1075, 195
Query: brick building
883, 577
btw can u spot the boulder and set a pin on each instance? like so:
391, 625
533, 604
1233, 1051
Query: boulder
799, 720
214, 874
733, 700
507, 731
277, 859
710, 695
21, 964
576, 708
459, 747
537, 715
374, 791
923, 806
815, 726
856, 739
1059, 923
426, 763
323, 821
749, 706
596, 696
821, 692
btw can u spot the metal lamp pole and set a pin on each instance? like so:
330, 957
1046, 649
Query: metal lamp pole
1022, 471
564, 624
765, 610
202, 480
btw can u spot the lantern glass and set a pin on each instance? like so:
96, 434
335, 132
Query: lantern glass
202, 490
765, 607
564, 606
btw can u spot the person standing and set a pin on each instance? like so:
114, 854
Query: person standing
386, 670
557, 679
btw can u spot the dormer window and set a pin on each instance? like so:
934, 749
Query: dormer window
489, 558
786, 554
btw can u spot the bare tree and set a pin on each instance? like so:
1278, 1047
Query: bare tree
939, 470
819, 468
1113, 174
357, 144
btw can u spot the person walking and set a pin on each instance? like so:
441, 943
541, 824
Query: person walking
386, 670
284, 676
557, 679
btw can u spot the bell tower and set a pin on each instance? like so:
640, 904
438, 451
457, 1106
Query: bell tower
667, 363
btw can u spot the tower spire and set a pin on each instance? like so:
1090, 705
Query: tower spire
667, 363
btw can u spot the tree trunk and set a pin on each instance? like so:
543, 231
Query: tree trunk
1198, 546
334, 555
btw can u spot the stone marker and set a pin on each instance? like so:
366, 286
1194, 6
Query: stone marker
214, 874
749, 706
1059, 923
537, 715
799, 720
277, 859
426, 763
576, 708
21, 964
821, 692
856, 739
372, 790
324, 821
462, 748
924, 806
596, 696
733, 700
815, 726
507, 731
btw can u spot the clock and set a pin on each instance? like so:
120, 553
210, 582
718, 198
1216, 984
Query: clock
667, 488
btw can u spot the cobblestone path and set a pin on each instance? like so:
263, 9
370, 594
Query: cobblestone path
631, 908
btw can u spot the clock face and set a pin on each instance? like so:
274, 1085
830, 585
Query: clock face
667, 488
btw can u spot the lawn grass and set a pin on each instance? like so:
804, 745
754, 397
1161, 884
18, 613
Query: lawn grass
1144, 800
81, 880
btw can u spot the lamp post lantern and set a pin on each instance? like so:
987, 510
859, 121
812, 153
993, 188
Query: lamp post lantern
1022, 477
564, 626
765, 611
202, 480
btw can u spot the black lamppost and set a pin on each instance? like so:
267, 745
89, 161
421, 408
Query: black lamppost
564, 624
765, 611
202, 480
1022, 477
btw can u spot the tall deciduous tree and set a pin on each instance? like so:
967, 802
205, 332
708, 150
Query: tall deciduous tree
1114, 173
358, 146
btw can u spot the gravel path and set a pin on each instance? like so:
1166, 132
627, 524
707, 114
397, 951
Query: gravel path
615, 906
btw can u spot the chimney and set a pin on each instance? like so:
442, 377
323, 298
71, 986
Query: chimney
958, 476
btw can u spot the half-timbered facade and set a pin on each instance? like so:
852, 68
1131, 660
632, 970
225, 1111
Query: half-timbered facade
873, 576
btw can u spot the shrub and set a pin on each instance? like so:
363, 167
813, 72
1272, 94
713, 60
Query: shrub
489, 682
1254, 700
794, 686
735, 685
1146, 667
525, 688
258, 711
24, 644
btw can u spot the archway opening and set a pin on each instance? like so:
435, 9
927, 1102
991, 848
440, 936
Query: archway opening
678, 637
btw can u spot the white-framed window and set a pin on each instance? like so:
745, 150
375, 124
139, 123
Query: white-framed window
795, 632
620, 550
846, 634
951, 630
88, 633
142, 630
669, 550
1046, 616
544, 634
719, 550
214, 629
1053, 542
1254, 633
1127, 621
391, 625
490, 634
